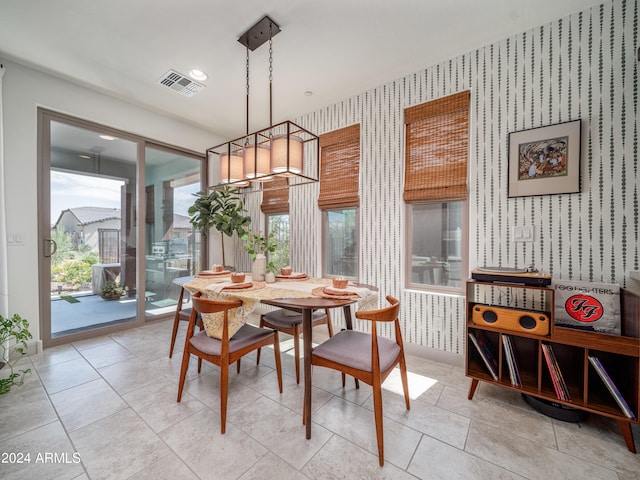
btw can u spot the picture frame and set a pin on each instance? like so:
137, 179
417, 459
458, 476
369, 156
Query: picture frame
545, 160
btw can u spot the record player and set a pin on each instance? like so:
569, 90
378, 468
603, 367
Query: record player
529, 276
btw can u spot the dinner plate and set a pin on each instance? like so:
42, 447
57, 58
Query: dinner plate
238, 286
293, 276
211, 273
343, 293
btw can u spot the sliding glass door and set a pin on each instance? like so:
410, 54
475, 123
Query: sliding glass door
94, 182
90, 246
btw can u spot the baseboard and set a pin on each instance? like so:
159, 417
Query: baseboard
434, 354
34, 347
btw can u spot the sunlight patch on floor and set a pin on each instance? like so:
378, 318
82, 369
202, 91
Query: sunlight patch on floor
418, 384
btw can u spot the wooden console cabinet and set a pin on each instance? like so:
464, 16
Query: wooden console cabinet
619, 355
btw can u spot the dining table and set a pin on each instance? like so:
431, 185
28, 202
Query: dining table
302, 295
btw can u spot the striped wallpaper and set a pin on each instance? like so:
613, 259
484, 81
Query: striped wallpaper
582, 66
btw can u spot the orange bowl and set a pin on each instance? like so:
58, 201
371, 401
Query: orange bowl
216, 268
340, 283
237, 277
286, 271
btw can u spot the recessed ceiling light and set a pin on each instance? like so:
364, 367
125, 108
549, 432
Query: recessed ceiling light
198, 74
308, 93
107, 137
84, 156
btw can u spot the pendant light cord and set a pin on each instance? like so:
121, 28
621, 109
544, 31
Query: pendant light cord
270, 77
247, 65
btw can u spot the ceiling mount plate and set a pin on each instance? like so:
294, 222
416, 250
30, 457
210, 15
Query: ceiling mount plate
259, 33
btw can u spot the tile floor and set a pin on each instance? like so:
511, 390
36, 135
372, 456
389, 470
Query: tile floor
106, 409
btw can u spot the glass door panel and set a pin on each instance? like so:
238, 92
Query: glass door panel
91, 209
172, 245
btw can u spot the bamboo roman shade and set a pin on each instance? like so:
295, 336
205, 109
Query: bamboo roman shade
437, 149
276, 199
339, 168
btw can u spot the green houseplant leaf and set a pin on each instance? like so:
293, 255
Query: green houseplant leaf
221, 209
14, 333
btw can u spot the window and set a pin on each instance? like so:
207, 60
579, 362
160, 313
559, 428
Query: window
341, 243
278, 224
109, 245
436, 243
437, 149
339, 182
275, 205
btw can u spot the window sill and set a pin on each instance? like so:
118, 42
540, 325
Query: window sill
434, 290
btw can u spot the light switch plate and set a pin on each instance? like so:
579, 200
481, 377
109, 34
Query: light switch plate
15, 239
523, 233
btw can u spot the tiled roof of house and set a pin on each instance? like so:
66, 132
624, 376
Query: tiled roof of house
87, 215
181, 221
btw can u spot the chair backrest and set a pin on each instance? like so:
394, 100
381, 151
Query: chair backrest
204, 306
387, 314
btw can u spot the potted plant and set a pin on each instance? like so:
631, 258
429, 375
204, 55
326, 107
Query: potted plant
112, 291
14, 333
272, 271
221, 209
257, 245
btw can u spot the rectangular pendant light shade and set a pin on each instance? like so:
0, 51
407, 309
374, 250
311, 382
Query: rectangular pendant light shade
287, 154
257, 163
231, 167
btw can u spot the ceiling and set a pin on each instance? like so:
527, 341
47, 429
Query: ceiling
333, 49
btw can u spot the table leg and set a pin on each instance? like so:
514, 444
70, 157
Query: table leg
306, 335
349, 322
347, 317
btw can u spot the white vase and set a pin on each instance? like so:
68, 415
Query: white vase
270, 277
259, 268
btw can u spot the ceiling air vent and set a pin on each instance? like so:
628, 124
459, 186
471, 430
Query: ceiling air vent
180, 83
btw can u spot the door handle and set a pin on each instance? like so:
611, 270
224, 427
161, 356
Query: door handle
53, 247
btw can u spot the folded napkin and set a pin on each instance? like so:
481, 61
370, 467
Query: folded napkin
218, 287
214, 274
293, 275
362, 292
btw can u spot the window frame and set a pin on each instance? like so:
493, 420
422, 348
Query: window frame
464, 249
325, 213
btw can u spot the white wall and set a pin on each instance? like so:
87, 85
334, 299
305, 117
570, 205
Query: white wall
24, 90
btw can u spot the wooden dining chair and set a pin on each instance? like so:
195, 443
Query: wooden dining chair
182, 315
226, 351
368, 357
292, 325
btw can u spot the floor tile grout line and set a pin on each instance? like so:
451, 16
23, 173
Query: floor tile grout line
62, 425
159, 437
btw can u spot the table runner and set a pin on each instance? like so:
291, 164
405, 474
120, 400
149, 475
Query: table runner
252, 296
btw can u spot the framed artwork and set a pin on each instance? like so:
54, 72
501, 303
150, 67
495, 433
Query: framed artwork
545, 160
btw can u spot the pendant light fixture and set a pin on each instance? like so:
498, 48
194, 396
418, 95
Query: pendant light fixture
284, 149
